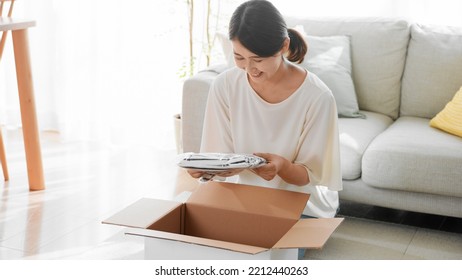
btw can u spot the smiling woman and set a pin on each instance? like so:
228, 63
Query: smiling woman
272, 108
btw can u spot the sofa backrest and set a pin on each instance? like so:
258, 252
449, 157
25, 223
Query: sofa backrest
433, 70
378, 54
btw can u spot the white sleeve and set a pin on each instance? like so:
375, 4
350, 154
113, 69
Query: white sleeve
319, 144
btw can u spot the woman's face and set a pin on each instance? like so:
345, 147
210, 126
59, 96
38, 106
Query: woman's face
259, 69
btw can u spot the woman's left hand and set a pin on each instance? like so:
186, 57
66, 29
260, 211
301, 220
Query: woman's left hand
274, 164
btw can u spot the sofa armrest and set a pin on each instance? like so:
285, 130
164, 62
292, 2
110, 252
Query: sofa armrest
195, 92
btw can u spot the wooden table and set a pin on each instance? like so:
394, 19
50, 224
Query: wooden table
33, 152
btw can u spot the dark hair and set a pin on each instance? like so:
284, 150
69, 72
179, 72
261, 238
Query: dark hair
261, 29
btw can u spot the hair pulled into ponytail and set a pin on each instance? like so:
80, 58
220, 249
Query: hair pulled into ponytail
297, 47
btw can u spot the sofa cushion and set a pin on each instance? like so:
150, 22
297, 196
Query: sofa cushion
412, 156
355, 136
329, 58
450, 119
433, 70
378, 52
193, 108
226, 48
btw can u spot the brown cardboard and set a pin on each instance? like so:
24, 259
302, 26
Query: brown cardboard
143, 213
241, 218
242, 214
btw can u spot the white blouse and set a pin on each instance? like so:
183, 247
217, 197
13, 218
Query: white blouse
303, 129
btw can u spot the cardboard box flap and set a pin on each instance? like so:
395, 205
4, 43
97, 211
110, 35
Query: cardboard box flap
143, 213
309, 233
250, 199
196, 240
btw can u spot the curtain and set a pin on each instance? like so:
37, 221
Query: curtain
103, 70
110, 70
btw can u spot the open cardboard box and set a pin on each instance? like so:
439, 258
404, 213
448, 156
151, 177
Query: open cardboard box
226, 221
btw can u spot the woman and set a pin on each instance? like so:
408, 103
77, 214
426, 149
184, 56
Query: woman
275, 109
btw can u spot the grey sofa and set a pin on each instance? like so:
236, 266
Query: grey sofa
403, 74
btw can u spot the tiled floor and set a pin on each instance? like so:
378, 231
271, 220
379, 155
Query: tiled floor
88, 182
370, 232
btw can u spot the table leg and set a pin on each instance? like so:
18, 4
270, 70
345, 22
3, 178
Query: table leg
28, 113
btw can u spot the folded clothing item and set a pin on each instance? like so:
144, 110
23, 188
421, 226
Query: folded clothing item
216, 162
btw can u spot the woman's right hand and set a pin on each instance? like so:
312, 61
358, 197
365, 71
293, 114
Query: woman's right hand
227, 173
195, 173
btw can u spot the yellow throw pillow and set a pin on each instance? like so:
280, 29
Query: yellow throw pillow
450, 118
